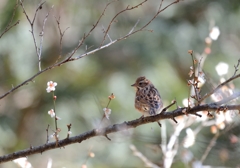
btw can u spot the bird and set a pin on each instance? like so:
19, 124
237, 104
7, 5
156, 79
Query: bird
147, 100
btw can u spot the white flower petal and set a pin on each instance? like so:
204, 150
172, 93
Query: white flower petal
51, 113
222, 68
214, 33
51, 86
185, 102
190, 138
107, 112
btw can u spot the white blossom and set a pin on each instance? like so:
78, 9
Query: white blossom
51, 113
23, 163
222, 68
214, 33
107, 112
185, 102
51, 86
190, 138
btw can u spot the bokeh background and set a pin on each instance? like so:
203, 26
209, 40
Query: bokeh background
84, 85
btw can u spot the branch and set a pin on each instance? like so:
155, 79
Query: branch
142, 28
219, 86
61, 36
38, 49
113, 19
209, 147
147, 162
124, 37
25, 82
114, 128
39, 53
69, 58
236, 68
88, 34
10, 25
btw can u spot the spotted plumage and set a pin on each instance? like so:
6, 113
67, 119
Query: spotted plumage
147, 100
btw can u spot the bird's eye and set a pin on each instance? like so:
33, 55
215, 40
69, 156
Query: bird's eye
140, 83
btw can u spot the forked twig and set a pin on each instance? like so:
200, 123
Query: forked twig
10, 25
38, 49
160, 6
61, 33
69, 58
86, 35
134, 26
107, 33
236, 68
219, 86
113, 19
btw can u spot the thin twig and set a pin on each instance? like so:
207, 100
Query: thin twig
107, 137
143, 27
88, 34
61, 36
219, 86
8, 28
195, 80
134, 26
69, 126
113, 19
160, 6
10, 25
47, 134
107, 34
228, 99
209, 147
236, 68
69, 58
41, 40
38, 52
146, 161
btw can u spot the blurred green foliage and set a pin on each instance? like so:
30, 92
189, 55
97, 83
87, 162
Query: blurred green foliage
84, 85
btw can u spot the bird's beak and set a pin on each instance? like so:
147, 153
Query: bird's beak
133, 85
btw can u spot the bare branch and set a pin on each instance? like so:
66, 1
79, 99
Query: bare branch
69, 126
107, 34
38, 50
8, 28
41, 40
209, 147
236, 68
176, 1
219, 86
113, 19
212, 143
134, 26
160, 6
147, 162
88, 34
171, 148
61, 36
10, 25
39, 53
25, 82
114, 128
47, 134
69, 58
